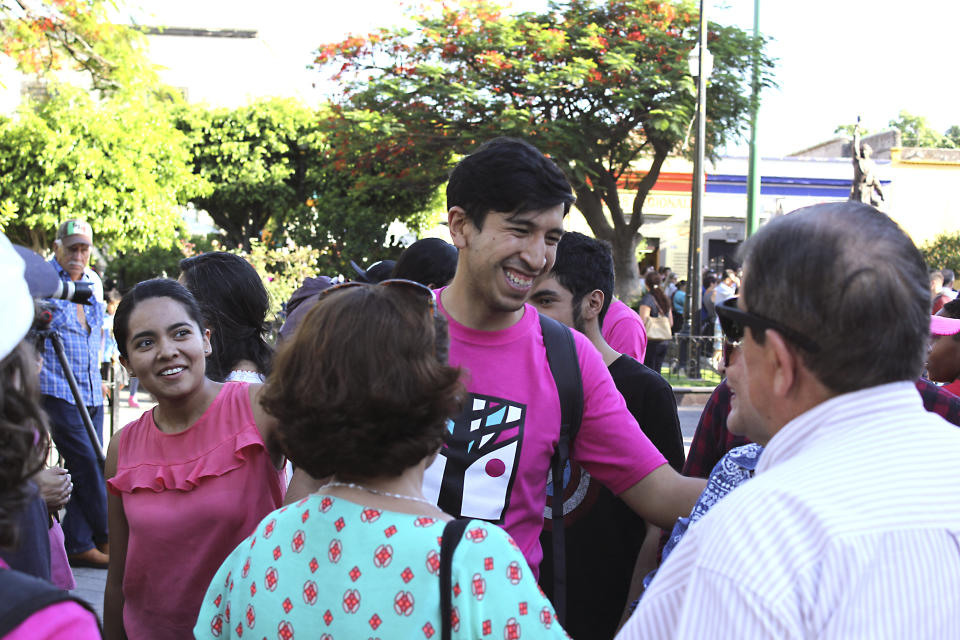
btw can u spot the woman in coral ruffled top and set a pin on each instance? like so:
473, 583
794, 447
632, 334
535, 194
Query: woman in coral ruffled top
189, 480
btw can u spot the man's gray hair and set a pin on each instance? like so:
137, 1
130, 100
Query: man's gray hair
847, 277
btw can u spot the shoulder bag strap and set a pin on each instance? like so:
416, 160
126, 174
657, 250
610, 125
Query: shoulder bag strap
452, 534
562, 357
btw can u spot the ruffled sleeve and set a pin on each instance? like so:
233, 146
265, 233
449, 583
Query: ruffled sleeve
224, 439
228, 455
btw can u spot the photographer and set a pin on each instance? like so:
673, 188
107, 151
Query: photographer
29, 606
79, 326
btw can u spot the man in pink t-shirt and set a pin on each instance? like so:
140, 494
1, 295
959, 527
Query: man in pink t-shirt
506, 203
623, 330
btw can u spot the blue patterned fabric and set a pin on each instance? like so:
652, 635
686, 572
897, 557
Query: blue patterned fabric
735, 468
82, 349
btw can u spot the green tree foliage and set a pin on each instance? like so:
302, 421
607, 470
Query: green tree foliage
119, 163
601, 86
254, 159
369, 172
915, 131
943, 252
128, 268
43, 36
329, 180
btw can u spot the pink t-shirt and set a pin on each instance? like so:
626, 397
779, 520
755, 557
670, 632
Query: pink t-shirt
65, 619
623, 330
494, 463
189, 499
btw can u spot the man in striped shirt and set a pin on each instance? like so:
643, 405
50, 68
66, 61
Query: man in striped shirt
851, 525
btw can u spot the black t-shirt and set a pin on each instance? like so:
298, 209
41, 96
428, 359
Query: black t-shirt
604, 535
651, 400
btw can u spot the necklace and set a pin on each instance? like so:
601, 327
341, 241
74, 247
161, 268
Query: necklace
379, 492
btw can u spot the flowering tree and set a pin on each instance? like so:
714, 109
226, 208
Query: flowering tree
601, 86
48, 35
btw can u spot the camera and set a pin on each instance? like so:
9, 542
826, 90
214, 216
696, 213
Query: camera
44, 282
79, 292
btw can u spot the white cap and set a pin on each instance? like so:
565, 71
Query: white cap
18, 318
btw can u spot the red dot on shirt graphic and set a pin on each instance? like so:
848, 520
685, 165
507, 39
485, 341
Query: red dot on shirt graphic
495, 468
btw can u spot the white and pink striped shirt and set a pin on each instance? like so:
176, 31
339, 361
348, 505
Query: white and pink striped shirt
850, 529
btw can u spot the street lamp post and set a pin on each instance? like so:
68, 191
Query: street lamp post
701, 64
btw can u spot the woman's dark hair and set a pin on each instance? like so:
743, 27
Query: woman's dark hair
23, 436
156, 288
234, 303
430, 261
362, 390
653, 280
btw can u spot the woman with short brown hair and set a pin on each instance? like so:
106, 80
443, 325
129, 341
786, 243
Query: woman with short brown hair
363, 394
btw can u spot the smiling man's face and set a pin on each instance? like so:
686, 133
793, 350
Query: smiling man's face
503, 260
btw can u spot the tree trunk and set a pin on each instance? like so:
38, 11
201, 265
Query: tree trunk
625, 270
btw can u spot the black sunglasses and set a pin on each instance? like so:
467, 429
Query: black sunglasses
734, 321
423, 291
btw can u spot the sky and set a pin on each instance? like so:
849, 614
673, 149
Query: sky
835, 59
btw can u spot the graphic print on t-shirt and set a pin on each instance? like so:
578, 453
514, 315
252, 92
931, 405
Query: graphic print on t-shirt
474, 472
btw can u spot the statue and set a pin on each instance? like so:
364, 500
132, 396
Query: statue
866, 186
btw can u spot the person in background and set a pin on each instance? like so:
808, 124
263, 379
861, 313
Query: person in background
189, 479
362, 394
678, 300
948, 277
936, 291
300, 303
30, 608
79, 326
577, 293
652, 305
234, 304
429, 261
943, 360
375, 273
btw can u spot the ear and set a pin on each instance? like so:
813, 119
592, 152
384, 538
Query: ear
591, 304
785, 364
457, 221
207, 348
126, 365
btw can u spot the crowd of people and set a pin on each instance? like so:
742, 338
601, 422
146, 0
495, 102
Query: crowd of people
476, 440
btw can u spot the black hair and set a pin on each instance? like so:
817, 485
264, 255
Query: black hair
847, 277
235, 304
952, 310
584, 264
507, 175
653, 280
23, 436
430, 261
156, 288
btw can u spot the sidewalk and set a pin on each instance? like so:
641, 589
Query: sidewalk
91, 582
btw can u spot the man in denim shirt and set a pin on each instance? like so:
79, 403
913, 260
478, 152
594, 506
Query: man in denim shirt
79, 325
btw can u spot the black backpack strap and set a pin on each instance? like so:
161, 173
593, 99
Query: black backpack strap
22, 595
565, 367
452, 534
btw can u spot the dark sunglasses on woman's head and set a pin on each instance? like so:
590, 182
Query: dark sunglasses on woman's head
408, 285
734, 321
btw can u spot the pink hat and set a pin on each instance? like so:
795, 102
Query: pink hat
943, 326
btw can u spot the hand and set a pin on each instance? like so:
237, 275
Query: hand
55, 486
106, 389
